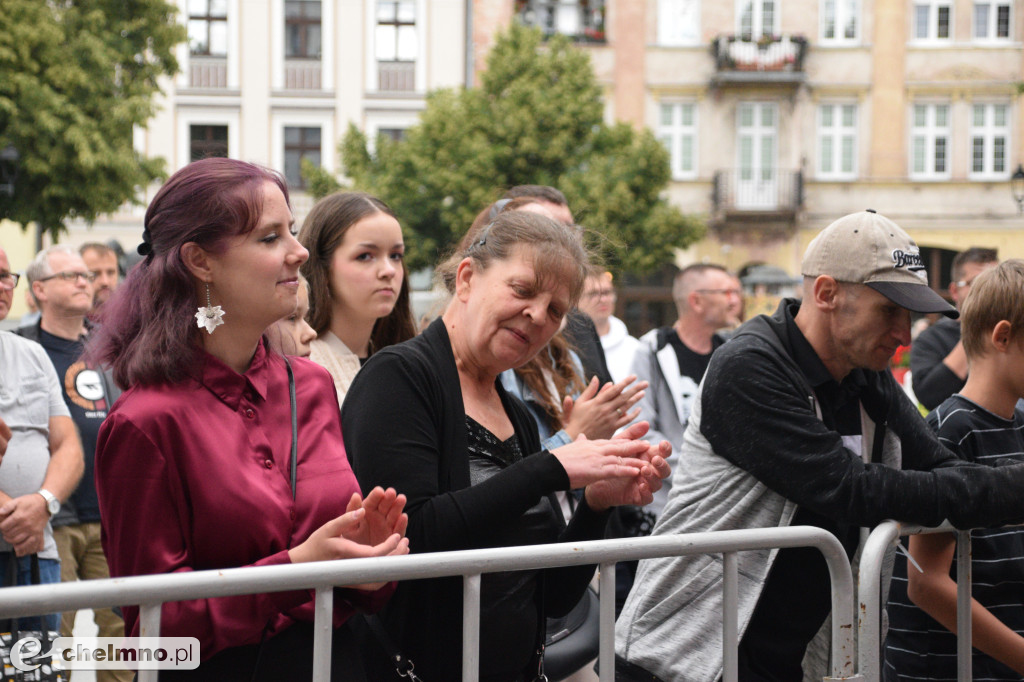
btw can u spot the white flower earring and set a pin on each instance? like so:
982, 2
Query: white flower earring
211, 316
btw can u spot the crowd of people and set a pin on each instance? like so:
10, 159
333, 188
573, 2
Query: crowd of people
257, 394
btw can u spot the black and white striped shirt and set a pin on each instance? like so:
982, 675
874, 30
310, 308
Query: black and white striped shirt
917, 646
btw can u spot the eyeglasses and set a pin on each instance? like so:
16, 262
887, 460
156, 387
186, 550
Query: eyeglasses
600, 293
727, 292
70, 276
9, 280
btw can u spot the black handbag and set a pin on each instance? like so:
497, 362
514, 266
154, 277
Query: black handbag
47, 667
573, 640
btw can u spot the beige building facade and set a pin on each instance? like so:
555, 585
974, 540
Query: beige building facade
278, 81
780, 115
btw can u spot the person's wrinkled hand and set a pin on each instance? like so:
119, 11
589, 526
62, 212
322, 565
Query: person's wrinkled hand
638, 490
599, 411
588, 461
23, 522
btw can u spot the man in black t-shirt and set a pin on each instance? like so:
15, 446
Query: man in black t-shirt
673, 359
62, 287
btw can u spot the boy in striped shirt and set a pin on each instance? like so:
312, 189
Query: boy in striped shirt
982, 423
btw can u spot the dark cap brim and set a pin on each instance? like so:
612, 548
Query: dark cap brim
918, 298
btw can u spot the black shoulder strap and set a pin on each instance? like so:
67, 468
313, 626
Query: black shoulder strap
295, 424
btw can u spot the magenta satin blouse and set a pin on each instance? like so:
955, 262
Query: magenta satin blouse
195, 476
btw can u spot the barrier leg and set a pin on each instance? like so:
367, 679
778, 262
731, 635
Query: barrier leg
471, 627
964, 578
730, 617
606, 657
323, 633
149, 626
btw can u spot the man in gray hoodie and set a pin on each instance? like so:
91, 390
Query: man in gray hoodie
799, 422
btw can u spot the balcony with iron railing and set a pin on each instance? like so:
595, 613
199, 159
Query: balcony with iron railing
764, 60
763, 195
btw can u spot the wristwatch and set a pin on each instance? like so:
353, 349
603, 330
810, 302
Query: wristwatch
52, 503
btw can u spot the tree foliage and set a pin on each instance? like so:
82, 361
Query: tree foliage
75, 77
537, 118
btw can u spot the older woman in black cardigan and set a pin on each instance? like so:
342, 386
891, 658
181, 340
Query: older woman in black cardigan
430, 418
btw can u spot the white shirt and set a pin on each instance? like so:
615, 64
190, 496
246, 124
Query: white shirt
619, 347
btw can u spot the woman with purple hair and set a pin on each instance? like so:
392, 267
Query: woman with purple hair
222, 453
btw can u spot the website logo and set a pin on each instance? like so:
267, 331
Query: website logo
106, 653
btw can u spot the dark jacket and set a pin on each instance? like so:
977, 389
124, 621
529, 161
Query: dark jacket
755, 450
933, 381
403, 421
584, 339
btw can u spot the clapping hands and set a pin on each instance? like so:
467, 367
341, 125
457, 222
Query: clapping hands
637, 490
374, 526
623, 470
599, 411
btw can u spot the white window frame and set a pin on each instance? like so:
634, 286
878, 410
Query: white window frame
844, 11
214, 117
929, 134
932, 36
990, 30
837, 133
327, 47
372, 72
676, 133
989, 132
672, 28
757, 18
324, 120
390, 119
233, 74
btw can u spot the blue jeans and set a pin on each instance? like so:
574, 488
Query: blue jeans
49, 572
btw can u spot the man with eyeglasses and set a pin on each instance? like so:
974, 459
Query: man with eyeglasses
673, 359
62, 286
43, 461
938, 364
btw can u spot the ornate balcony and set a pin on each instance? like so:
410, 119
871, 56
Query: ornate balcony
769, 59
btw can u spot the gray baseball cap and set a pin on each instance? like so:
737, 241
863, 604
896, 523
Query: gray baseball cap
868, 248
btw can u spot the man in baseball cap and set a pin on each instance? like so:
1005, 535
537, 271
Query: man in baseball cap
799, 422
867, 248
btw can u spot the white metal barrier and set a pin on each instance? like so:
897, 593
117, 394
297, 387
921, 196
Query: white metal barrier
150, 592
869, 577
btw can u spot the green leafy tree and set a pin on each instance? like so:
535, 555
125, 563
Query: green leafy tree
75, 77
537, 118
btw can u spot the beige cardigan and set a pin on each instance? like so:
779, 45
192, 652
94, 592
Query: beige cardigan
332, 354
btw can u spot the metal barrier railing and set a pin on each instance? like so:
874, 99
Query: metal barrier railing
869, 578
150, 592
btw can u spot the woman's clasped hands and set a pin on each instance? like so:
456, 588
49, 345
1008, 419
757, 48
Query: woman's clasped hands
623, 470
370, 527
